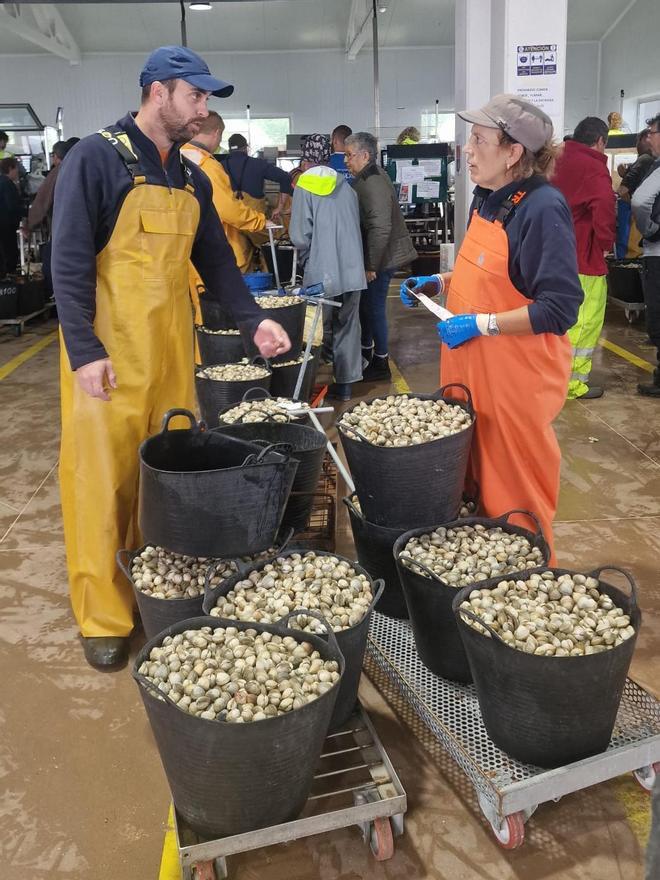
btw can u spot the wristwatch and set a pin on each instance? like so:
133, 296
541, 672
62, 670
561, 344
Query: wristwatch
493, 329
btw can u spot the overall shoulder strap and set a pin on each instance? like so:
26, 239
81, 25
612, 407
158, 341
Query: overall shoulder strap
119, 140
509, 205
186, 171
236, 185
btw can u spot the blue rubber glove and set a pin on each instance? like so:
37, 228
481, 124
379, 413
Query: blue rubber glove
457, 330
428, 284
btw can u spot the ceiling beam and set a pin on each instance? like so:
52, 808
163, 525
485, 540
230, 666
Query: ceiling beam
359, 25
42, 25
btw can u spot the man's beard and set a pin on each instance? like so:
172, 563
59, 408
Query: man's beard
177, 129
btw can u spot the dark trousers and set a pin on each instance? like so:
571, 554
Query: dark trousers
373, 312
8, 251
651, 284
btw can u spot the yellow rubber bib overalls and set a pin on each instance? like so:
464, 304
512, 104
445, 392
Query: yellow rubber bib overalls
144, 320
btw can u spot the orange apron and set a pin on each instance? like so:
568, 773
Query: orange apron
518, 384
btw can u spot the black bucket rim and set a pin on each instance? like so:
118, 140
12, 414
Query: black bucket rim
355, 437
635, 612
259, 453
537, 539
331, 644
266, 395
321, 443
377, 584
126, 563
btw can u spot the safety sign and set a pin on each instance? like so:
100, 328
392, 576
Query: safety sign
538, 60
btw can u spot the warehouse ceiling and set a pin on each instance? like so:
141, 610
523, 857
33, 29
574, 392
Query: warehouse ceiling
255, 25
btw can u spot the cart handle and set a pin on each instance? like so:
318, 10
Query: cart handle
172, 413
468, 394
329, 632
596, 573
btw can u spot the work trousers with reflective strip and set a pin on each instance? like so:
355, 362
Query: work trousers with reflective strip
585, 333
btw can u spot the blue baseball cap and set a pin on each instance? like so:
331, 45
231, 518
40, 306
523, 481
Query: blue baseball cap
177, 62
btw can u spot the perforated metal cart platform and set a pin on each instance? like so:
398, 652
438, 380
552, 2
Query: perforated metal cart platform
509, 791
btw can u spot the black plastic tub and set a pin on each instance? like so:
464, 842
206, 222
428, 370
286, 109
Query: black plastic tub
255, 394
404, 487
219, 348
283, 380
307, 446
374, 545
158, 614
8, 298
203, 493
549, 711
31, 295
430, 599
214, 395
228, 778
292, 318
214, 316
352, 642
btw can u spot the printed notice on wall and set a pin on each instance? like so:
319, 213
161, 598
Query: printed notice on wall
538, 78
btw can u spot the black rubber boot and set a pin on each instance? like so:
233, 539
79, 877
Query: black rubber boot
367, 356
105, 652
650, 390
378, 370
339, 391
593, 392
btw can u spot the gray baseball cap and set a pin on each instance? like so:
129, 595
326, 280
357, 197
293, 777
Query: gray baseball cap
524, 122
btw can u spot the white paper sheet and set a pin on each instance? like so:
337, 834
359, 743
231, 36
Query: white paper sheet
432, 167
400, 165
428, 189
412, 174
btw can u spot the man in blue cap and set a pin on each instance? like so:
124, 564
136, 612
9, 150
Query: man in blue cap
130, 213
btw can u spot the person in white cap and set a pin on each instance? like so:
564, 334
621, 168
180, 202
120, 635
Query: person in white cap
514, 293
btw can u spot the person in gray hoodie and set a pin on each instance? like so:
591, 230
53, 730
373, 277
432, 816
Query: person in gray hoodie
325, 227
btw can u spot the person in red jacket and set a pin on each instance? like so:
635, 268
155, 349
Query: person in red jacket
582, 176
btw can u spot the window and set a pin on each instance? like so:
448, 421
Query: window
262, 133
446, 127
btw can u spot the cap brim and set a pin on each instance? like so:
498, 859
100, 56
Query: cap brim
477, 117
209, 83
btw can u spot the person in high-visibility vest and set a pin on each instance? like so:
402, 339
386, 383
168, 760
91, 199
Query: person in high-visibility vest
514, 292
130, 212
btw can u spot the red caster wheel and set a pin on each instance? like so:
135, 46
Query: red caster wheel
204, 871
381, 839
646, 776
511, 833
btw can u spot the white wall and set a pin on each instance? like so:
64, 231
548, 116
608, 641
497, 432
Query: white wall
316, 89
581, 83
630, 61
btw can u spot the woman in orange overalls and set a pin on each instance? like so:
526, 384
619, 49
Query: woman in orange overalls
515, 280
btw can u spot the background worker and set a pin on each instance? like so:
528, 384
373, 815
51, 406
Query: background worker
235, 215
4, 152
129, 215
11, 211
646, 211
408, 136
247, 175
582, 176
515, 284
631, 177
387, 246
337, 142
325, 227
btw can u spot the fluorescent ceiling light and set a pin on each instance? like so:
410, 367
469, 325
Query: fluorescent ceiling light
382, 8
200, 6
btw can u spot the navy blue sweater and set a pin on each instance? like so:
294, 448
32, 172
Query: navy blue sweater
90, 191
542, 254
250, 172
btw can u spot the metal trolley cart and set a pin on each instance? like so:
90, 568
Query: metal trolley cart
355, 784
508, 791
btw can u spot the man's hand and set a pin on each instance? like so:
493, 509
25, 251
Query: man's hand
270, 224
371, 276
96, 377
271, 339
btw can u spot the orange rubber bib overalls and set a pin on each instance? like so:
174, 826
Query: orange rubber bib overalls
144, 320
518, 383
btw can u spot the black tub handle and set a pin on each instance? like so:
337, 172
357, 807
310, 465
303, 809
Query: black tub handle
462, 611
596, 573
432, 574
123, 558
245, 567
377, 589
259, 361
257, 459
264, 395
505, 518
348, 501
212, 569
330, 633
350, 430
468, 394
153, 689
173, 413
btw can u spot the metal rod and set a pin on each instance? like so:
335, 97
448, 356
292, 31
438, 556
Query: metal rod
271, 239
184, 35
247, 114
376, 76
344, 770
346, 751
331, 449
365, 787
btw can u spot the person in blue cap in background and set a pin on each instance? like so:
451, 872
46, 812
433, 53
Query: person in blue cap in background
130, 213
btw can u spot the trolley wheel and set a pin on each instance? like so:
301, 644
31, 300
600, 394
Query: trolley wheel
204, 871
511, 833
17, 330
646, 776
381, 839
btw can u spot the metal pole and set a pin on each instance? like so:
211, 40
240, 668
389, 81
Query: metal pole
376, 78
247, 116
184, 35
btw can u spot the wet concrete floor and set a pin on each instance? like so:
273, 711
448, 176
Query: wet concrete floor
82, 792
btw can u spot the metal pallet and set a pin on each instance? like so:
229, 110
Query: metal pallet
355, 784
509, 791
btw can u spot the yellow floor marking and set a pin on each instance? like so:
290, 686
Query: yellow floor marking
627, 355
170, 869
15, 363
637, 806
397, 379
